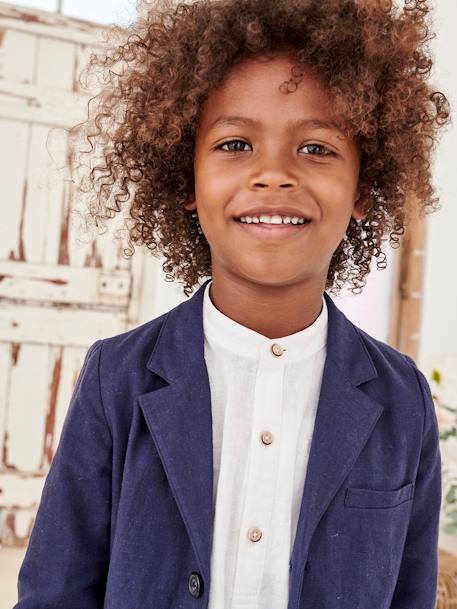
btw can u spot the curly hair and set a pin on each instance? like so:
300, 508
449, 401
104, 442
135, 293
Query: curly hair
372, 57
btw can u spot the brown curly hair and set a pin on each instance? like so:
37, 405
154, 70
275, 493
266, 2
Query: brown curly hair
373, 59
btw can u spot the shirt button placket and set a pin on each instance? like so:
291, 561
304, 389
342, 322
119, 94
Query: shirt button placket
261, 474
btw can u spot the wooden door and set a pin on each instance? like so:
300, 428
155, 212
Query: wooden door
57, 295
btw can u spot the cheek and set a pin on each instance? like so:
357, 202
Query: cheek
336, 200
215, 192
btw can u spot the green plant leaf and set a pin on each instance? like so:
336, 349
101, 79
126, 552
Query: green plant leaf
436, 376
444, 435
450, 497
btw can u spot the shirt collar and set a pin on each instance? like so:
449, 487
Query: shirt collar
232, 336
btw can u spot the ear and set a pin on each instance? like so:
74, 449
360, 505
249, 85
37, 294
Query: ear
357, 211
191, 204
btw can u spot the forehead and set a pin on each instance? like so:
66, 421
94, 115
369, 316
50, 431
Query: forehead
253, 88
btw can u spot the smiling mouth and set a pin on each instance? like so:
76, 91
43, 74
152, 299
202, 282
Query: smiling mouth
264, 230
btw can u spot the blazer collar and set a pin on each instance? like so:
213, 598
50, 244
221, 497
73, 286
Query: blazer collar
182, 335
178, 415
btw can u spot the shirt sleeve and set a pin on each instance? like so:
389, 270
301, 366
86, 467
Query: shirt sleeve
67, 558
417, 583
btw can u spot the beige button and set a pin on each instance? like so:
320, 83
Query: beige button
277, 349
254, 534
266, 437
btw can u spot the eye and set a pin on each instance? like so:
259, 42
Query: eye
318, 150
237, 149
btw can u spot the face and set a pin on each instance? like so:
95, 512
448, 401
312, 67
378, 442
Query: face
278, 154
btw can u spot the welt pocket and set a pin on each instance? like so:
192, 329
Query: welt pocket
370, 498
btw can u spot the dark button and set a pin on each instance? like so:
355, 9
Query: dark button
195, 585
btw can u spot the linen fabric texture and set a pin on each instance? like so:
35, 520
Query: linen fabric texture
258, 485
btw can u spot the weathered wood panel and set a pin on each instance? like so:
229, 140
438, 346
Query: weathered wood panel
54, 26
55, 63
63, 383
59, 290
17, 67
59, 325
30, 103
5, 365
31, 428
20, 494
42, 201
57, 284
25, 417
13, 161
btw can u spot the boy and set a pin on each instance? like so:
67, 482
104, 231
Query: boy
252, 448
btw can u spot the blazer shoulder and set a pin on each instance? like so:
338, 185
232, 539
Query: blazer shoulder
128, 352
402, 382
391, 364
147, 331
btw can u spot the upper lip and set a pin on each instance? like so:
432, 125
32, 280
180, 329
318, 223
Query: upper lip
274, 211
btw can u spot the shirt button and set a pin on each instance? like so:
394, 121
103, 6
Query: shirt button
266, 437
254, 534
277, 349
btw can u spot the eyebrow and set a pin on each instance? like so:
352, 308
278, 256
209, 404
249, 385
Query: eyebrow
315, 123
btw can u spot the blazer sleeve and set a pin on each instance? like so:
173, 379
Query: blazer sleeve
417, 583
67, 558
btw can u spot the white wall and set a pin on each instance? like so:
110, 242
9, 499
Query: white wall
439, 320
438, 347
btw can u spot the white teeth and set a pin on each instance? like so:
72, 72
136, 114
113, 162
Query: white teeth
272, 219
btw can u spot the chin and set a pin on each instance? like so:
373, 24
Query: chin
273, 277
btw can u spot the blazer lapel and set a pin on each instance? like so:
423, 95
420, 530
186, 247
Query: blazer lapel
179, 419
345, 418
178, 415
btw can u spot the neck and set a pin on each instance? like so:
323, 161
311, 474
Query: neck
271, 310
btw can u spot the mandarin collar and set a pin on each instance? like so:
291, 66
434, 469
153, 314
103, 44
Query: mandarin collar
234, 337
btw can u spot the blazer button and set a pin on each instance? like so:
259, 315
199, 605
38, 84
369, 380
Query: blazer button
195, 585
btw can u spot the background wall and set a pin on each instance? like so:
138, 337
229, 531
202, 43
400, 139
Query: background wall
438, 342
439, 317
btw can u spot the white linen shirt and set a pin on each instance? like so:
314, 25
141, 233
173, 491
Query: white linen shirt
263, 411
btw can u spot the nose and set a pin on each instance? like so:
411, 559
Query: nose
272, 183
273, 171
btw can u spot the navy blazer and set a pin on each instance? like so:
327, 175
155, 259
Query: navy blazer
125, 519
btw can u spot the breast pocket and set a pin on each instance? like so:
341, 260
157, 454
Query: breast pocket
378, 499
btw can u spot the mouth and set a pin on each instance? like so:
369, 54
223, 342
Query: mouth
264, 230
